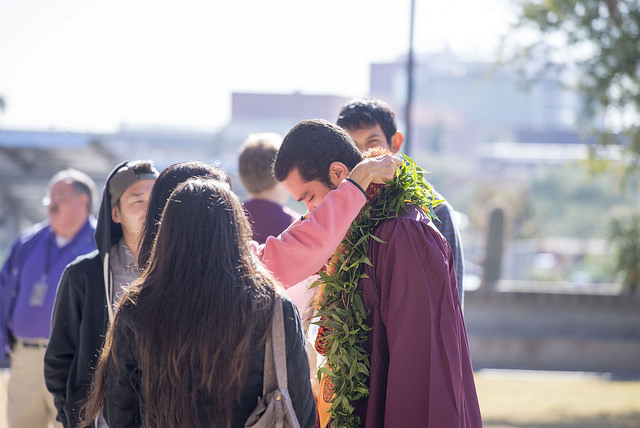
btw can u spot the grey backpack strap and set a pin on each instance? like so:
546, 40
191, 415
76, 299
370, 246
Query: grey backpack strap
275, 361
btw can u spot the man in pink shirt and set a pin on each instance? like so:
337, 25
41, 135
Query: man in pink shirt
302, 249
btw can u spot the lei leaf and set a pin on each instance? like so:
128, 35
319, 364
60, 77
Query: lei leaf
340, 308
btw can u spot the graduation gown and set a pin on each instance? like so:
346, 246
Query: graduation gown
421, 374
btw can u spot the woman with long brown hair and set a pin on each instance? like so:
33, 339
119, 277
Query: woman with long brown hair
165, 184
186, 348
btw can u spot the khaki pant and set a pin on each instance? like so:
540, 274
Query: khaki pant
30, 404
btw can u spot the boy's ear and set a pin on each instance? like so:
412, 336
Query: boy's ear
115, 214
338, 172
396, 142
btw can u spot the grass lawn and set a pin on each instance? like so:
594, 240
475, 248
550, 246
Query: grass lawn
514, 399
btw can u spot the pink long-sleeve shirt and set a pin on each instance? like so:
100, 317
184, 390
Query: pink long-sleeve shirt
302, 249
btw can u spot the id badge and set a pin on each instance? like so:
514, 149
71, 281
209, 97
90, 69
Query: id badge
39, 292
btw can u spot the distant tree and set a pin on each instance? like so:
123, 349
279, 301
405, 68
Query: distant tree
552, 201
561, 197
624, 240
600, 40
2, 104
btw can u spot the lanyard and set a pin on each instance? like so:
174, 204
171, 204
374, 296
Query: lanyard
39, 289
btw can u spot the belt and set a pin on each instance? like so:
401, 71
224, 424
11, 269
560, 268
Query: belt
33, 344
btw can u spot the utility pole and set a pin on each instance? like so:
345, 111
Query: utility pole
409, 98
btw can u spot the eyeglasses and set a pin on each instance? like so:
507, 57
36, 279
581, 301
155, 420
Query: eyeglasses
59, 198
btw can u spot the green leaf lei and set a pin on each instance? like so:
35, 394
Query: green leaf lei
340, 308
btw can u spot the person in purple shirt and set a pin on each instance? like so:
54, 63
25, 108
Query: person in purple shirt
420, 366
266, 208
28, 283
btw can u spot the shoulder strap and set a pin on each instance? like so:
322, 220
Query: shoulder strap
275, 361
108, 285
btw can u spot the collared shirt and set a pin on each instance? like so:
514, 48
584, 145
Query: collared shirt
124, 268
38, 281
268, 218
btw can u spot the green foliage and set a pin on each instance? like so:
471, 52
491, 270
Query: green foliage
600, 37
624, 240
568, 202
341, 309
562, 201
549, 202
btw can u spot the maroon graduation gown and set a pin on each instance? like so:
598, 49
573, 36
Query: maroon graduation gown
421, 374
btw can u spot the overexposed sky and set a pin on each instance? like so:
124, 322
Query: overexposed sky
96, 64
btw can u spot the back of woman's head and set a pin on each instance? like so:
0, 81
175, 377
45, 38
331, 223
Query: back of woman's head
162, 189
203, 235
207, 305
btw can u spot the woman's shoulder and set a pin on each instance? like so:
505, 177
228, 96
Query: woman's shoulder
292, 322
289, 309
131, 307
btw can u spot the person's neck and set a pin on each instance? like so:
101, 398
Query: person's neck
68, 233
272, 195
61, 242
132, 242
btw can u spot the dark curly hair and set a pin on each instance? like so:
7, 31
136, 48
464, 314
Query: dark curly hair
366, 112
311, 147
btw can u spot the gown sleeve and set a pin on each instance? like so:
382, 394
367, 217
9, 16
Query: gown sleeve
421, 314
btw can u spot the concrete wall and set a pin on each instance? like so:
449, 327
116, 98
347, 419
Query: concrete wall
541, 331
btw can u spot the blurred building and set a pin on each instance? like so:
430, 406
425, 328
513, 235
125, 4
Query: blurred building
29, 158
467, 116
459, 104
259, 112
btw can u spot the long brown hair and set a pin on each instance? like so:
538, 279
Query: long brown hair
205, 303
164, 185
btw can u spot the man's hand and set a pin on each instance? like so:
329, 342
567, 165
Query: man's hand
375, 170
